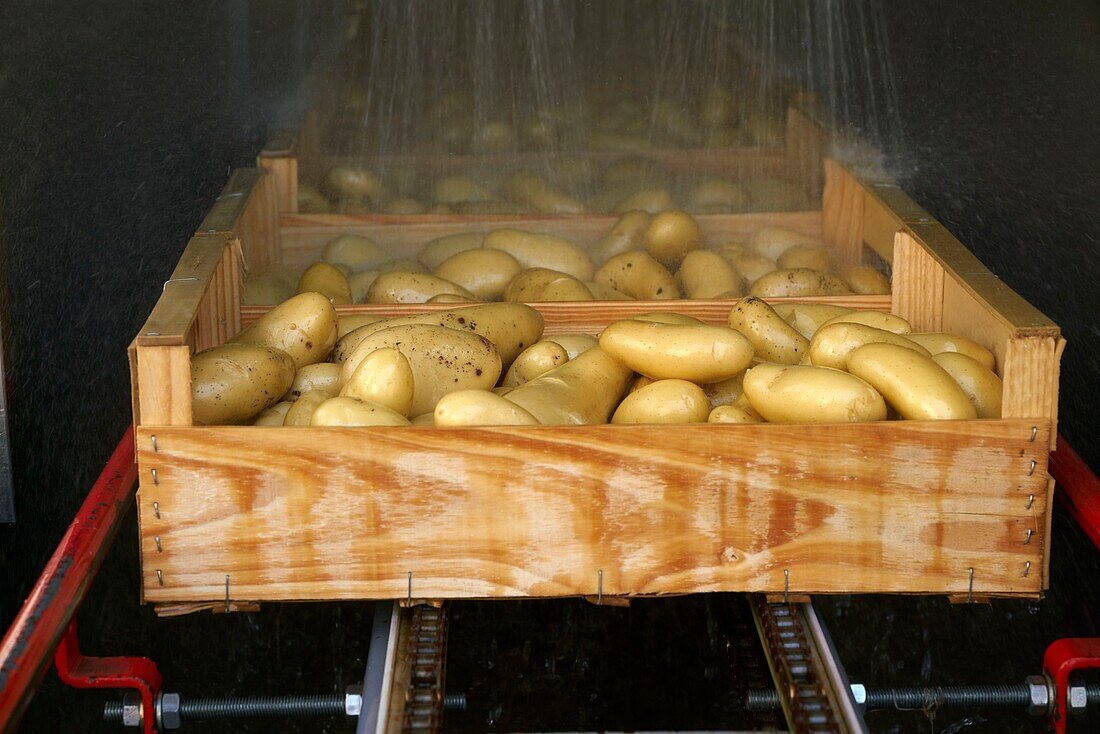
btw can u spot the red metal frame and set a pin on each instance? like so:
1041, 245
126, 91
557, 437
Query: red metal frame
51, 607
1062, 658
1078, 487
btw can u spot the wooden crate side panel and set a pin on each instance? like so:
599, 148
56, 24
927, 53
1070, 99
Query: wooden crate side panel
186, 294
1032, 367
806, 141
257, 227
917, 285
842, 213
135, 393
164, 374
280, 159
296, 514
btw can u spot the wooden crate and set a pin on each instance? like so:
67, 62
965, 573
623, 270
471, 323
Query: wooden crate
245, 514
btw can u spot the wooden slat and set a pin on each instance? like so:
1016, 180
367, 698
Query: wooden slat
842, 213
917, 284
284, 169
1031, 372
164, 377
331, 513
808, 130
248, 209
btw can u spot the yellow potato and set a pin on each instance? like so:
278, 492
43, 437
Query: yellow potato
435, 252
742, 403
534, 250
384, 377
451, 298
348, 324
671, 236
411, 288
301, 410
772, 338
939, 342
797, 282
699, 353
535, 361
457, 189
401, 206
639, 382
304, 327
728, 250
442, 360
833, 343
664, 402
771, 242
234, 383
574, 344
344, 411
529, 284
653, 201
877, 319
265, 289
479, 408
360, 284
564, 288
730, 414
797, 394
807, 318
483, 272
537, 193
274, 415
706, 274
322, 377
601, 292
866, 281
639, 276
355, 183
717, 195
753, 267
814, 257
327, 280
311, 200
915, 386
355, 251
424, 419
627, 234
401, 265
511, 327
725, 392
980, 384
582, 391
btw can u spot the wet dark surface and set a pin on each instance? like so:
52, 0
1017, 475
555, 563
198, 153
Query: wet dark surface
118, 126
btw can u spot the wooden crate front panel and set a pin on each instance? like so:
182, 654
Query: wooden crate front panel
330, 513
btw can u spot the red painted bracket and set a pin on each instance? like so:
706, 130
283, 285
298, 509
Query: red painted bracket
1062, 658
1078, 487
81, 671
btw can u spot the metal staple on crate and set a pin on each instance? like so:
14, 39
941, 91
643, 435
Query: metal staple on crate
1031, 470
156, 539
227, 592
1027, 568
160, 577
1030, 532
786, 584
1030, 501
174, 280
599, 586
156, 482
970, 588
156, 509
153, 438
1034, 433
409, 598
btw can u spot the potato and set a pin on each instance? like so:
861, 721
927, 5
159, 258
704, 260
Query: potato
716, 195
671, 236
877, 319
725, 392
301, 410
582, 391
327, 280
265, 289
601, 292
796, 394
542, 251
456, 189
565, 288
424, 419
484, 273
753, 267
304, 327
384, 377
833, 343
639, 276
697, 352
980, 384
322, 377
528, 284
627, 234
401, 265
771, 242
797, 282
410, 288
730, 414
442, 360
807, 318
527, 188
360, 284
664, 402
479, 408
728, 250
574, 344
706, 274
742, 403
813, 257
401, 206
344, 411
355, 183
435, 252
653, 201
534, 361
511, 327
915, 386
451, 298
772, 338
348, 324
866, 281
274, 415
939, 342
311, 200
639, 382
355, 251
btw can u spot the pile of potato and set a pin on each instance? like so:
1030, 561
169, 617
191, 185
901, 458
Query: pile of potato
490, 364
563, 185
644, 256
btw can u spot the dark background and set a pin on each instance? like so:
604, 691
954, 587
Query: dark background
119, 123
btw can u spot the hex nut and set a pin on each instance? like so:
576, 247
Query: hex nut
169, 711
859, 693
1038, 695
131, 709
1077, 697
353, 701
